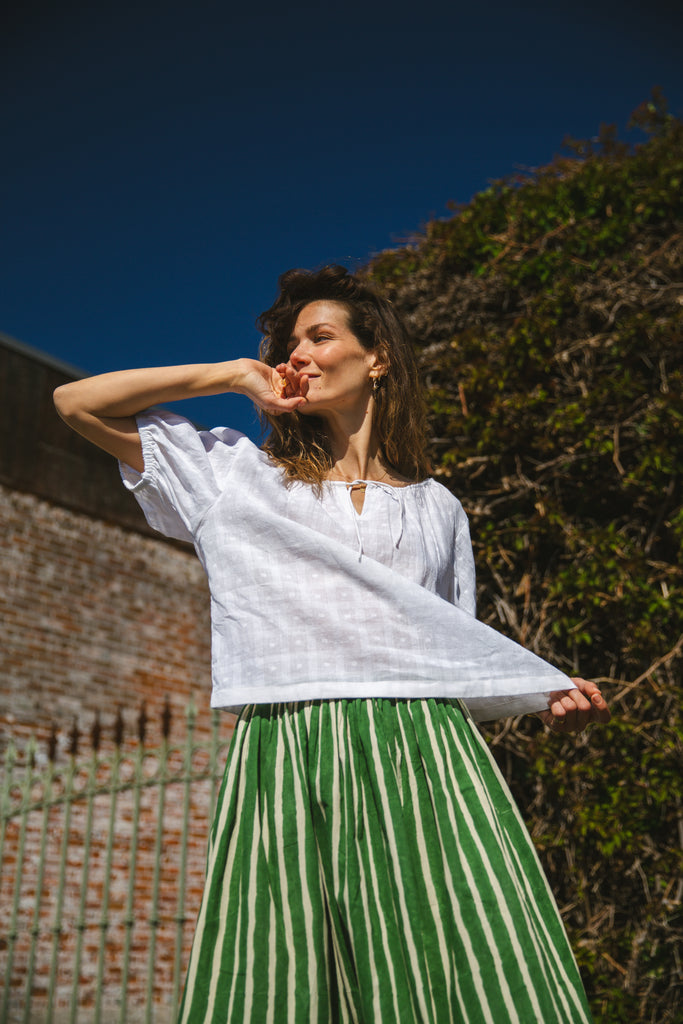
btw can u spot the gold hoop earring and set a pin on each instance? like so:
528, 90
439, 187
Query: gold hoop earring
376, 383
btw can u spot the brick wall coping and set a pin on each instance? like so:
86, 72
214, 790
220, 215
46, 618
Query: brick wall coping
40, 455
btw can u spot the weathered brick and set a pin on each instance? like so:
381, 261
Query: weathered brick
99, 616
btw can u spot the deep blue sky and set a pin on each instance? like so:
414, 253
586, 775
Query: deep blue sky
163, 163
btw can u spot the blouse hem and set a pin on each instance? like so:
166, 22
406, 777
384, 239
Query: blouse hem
483, 708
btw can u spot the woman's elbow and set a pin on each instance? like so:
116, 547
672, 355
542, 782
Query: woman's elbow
66, 402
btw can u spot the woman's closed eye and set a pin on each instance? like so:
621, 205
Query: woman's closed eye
316, 338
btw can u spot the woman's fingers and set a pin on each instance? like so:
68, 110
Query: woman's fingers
570, 710
275, 389
591, 691
573, 710
293, 384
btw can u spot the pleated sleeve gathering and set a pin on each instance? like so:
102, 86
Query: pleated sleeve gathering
185, 471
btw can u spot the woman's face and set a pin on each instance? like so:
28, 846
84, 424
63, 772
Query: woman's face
338, 368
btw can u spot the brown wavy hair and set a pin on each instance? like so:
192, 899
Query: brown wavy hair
299, 442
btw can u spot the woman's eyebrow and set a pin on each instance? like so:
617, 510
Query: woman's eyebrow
309, 330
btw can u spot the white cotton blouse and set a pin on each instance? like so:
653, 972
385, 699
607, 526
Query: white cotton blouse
311, 599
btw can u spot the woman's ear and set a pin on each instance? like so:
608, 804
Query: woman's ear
380, 366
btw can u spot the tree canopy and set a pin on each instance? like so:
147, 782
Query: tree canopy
548, 320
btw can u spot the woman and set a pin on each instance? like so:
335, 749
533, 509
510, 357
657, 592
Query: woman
366, 862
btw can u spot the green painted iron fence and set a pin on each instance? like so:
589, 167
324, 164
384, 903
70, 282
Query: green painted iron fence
102, 861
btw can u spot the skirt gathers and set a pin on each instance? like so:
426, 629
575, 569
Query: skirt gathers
368, 865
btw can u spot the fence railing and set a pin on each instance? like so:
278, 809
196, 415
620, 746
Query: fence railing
102, 862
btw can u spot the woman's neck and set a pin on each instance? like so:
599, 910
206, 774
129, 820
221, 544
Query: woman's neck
353, 444
356, 451
354, 461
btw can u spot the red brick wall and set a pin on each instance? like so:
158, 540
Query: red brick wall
98, 616
98, 611
97, 620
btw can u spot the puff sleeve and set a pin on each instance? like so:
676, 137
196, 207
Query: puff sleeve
185, 471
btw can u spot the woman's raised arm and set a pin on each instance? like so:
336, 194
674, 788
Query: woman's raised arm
103, 408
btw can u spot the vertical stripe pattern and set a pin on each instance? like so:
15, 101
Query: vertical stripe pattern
367, 865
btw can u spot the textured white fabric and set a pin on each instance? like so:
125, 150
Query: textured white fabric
310, 599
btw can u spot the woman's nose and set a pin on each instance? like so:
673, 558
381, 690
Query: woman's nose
298, 357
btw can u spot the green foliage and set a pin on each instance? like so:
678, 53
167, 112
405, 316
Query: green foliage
548, 315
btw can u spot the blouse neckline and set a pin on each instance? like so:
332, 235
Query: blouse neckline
380, 483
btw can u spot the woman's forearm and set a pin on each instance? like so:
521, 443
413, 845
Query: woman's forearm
103, 408
124, 393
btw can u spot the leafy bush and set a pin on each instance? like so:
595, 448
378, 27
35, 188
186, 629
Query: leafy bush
548, 317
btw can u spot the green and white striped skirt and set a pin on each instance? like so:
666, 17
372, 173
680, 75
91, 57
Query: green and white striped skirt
367, 864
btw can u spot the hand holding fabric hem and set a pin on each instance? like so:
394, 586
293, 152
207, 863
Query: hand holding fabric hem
574, 710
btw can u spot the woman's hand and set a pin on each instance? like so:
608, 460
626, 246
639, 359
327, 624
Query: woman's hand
573, 710
274, 389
